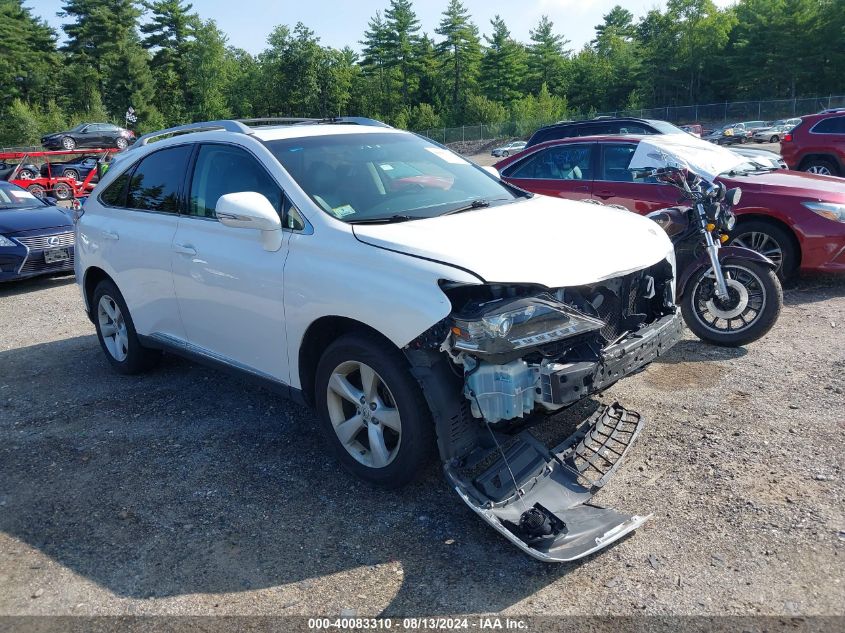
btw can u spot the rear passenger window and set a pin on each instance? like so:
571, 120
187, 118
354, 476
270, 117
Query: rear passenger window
615, 161
565, 162
833, 125
222, 169
115, 193
157, 180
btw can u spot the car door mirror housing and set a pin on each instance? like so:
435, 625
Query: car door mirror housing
251, 210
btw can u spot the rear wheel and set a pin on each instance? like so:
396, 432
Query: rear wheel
71, 173
774, 139
372, 411
820, 166
121, 143
769, 240
68, 143
62, 191
37, 190
116, 331
26, 174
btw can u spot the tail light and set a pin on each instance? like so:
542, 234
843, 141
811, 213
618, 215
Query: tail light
787, 138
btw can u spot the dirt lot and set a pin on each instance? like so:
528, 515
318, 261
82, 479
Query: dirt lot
189, 492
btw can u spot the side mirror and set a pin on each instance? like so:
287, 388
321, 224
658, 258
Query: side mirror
251, 210
733, 196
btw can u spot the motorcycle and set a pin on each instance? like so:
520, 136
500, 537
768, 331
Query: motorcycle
729, 295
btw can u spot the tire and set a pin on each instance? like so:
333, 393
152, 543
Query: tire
26, 174
820, 166
62, 191
763, 237
402, 455
766, 291
774, 139
743, 140
123, 350
505, 154
70, 173
68, 143
121, 143
37, 190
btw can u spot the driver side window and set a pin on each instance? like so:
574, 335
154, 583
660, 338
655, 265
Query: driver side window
565, 162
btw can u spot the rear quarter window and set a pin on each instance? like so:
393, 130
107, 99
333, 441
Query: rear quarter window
833, 125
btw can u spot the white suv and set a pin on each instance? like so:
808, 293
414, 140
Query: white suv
407, 294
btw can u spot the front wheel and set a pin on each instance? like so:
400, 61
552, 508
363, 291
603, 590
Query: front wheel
62, 191
68, 143
372, 411
121, 143
751, 309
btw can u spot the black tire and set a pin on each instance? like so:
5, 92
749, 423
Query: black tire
121, 143
774, 139
26, 174
416, 447
62, 191
505, 154
37, 190
820, 166
761, 323
138, 358
743, 140
70, 173
68, 143
784, 240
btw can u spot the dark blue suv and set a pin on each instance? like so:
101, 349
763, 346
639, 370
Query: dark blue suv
36, 238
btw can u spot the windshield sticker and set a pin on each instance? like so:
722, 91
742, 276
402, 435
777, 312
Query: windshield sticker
342, 211
386, 166
448, 156
22, 195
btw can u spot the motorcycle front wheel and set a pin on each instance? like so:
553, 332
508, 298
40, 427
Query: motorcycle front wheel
751, 309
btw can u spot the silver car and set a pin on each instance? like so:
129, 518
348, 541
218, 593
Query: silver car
511, 148
771, 134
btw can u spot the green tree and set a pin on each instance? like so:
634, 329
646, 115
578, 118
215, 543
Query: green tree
402, 41
547, 59
480, 109
20, 126
209, 71
459, 53
376, 62
503, 64
29, 62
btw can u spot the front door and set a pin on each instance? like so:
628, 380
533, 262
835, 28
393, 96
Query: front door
228, 287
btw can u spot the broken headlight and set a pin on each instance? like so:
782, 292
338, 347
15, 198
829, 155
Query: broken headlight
503, 326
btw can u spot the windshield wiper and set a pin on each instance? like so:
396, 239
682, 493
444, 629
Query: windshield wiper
475, 204
388, 220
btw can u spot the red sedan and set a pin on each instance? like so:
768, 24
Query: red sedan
796, 219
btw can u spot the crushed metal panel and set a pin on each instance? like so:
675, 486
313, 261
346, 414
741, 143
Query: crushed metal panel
539, 498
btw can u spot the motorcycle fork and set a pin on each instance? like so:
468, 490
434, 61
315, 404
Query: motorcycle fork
713, 252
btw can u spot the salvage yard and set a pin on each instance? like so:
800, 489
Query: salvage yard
187, 491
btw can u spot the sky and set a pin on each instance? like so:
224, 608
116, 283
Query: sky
340, 23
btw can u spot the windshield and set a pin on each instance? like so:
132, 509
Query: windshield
12, 197
386, 176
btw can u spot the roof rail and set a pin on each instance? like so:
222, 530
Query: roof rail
229, 126
272, 120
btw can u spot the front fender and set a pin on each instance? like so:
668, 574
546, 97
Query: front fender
726, 254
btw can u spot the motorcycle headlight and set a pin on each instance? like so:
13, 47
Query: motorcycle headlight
505, 326
727, 220
6, 242
829, 210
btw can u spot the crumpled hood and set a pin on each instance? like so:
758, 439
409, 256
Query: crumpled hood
541, 240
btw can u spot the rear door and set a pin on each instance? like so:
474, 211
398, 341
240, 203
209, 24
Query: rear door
563, 171
134, 233
228, 287
616, 184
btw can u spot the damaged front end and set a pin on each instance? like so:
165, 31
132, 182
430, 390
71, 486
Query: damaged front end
510, 355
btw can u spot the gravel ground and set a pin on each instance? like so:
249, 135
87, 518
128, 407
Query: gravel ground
189, 492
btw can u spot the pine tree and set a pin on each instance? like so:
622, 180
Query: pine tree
402, 40
547, 59
208, 73
459, 53
376, 61
503, 64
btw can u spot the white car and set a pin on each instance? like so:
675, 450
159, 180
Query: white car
410, 296
513, 147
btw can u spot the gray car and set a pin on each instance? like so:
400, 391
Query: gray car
513, 147
771, 134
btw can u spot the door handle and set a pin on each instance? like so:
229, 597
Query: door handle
184, 249
604, 194
110, 235
581, 188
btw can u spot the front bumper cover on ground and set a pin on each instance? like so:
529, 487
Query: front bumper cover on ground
554, 486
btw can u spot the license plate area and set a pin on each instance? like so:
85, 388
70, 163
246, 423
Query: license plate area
56, 255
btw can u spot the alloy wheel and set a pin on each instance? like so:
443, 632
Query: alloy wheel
763, 243
113, 328
68, 143
821, 170
364, 414
122, 143
71, 173
745, 303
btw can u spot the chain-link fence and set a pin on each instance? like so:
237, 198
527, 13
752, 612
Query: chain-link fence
712, 114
